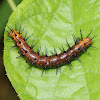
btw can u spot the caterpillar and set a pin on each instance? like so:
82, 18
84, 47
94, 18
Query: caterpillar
55, 60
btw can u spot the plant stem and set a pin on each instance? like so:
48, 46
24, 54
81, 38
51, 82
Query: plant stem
12, 4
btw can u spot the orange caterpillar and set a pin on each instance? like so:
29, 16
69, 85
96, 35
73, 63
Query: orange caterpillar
55, 60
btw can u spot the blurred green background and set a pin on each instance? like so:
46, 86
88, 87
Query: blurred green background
6, 90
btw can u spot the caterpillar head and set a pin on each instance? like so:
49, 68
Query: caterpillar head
13, 33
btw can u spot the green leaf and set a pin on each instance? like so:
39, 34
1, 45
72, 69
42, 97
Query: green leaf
51, 22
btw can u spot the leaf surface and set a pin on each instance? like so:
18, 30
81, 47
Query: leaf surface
51, 22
